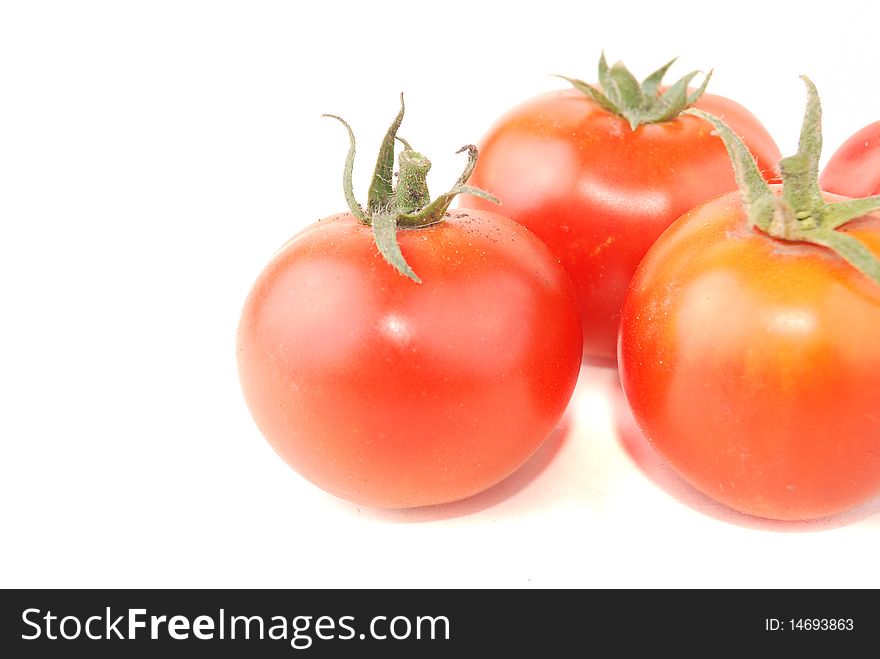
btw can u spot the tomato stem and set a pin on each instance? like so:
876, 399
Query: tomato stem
801, 213
381, 191
408, 204
800, 172
412, 188
640, 103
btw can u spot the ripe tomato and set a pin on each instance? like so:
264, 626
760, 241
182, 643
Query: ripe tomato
396, 394
599, 192
397, 389
854, 169
752, 364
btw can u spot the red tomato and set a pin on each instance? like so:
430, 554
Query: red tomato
600, 193
752, 364
854, 169
396, 394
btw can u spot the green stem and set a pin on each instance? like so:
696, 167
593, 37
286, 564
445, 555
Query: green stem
381, 191
801, 214
347, 187
756, 194
620, 93
412, 183
800, 172
408, 204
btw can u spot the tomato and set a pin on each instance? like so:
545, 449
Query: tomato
854, 169
394, 394
403, 355
747, 348
752, 365
599, 192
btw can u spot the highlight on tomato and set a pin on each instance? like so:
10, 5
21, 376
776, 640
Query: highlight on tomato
748, 340
599, 171
401, 354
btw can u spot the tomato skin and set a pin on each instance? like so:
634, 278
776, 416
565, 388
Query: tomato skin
599, 194
395, 394
752, 365
854, 169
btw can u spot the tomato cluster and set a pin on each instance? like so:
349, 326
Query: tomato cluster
404, 354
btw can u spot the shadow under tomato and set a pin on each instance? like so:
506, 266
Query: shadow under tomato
496, 494
667, 479
591, 361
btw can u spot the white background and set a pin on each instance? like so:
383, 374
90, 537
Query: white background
153, 156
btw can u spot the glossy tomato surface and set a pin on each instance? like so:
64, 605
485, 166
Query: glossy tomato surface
599, 193
752, 365
396, 394
854, 169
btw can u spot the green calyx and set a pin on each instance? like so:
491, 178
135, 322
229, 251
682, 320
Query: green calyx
407, 205
801, 213
640, 102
